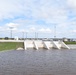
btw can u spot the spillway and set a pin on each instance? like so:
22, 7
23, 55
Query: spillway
40, 44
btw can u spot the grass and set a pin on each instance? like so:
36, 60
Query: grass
10, 45
70, 42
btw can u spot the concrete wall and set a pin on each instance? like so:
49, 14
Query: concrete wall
29, 44
48, 44
37, 44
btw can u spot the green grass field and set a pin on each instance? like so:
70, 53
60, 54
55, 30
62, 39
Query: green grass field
10, 45
70, 42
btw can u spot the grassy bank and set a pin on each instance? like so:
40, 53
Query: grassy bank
10, 45
70, 42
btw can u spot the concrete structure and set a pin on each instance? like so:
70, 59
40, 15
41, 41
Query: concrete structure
39, 44
29, 44
35, 45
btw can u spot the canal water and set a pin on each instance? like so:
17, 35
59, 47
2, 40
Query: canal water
38, 62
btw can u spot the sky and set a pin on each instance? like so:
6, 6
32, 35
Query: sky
38, 18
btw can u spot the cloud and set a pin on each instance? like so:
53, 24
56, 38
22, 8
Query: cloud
32, 29
25, 15
37, 9
72, 3
72, 6
12, 25
6, 9
73, 31
45, 30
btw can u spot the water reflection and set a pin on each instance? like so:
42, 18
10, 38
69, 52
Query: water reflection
38, 62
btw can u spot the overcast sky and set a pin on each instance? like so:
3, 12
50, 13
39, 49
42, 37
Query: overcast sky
45, 17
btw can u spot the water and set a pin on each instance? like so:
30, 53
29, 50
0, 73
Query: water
38, 62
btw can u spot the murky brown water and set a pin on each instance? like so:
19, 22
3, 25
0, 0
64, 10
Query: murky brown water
38, 62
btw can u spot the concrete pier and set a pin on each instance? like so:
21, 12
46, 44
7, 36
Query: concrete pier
25, 45
35, 45
47, 45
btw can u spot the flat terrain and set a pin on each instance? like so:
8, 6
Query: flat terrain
10, 45
70, 42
